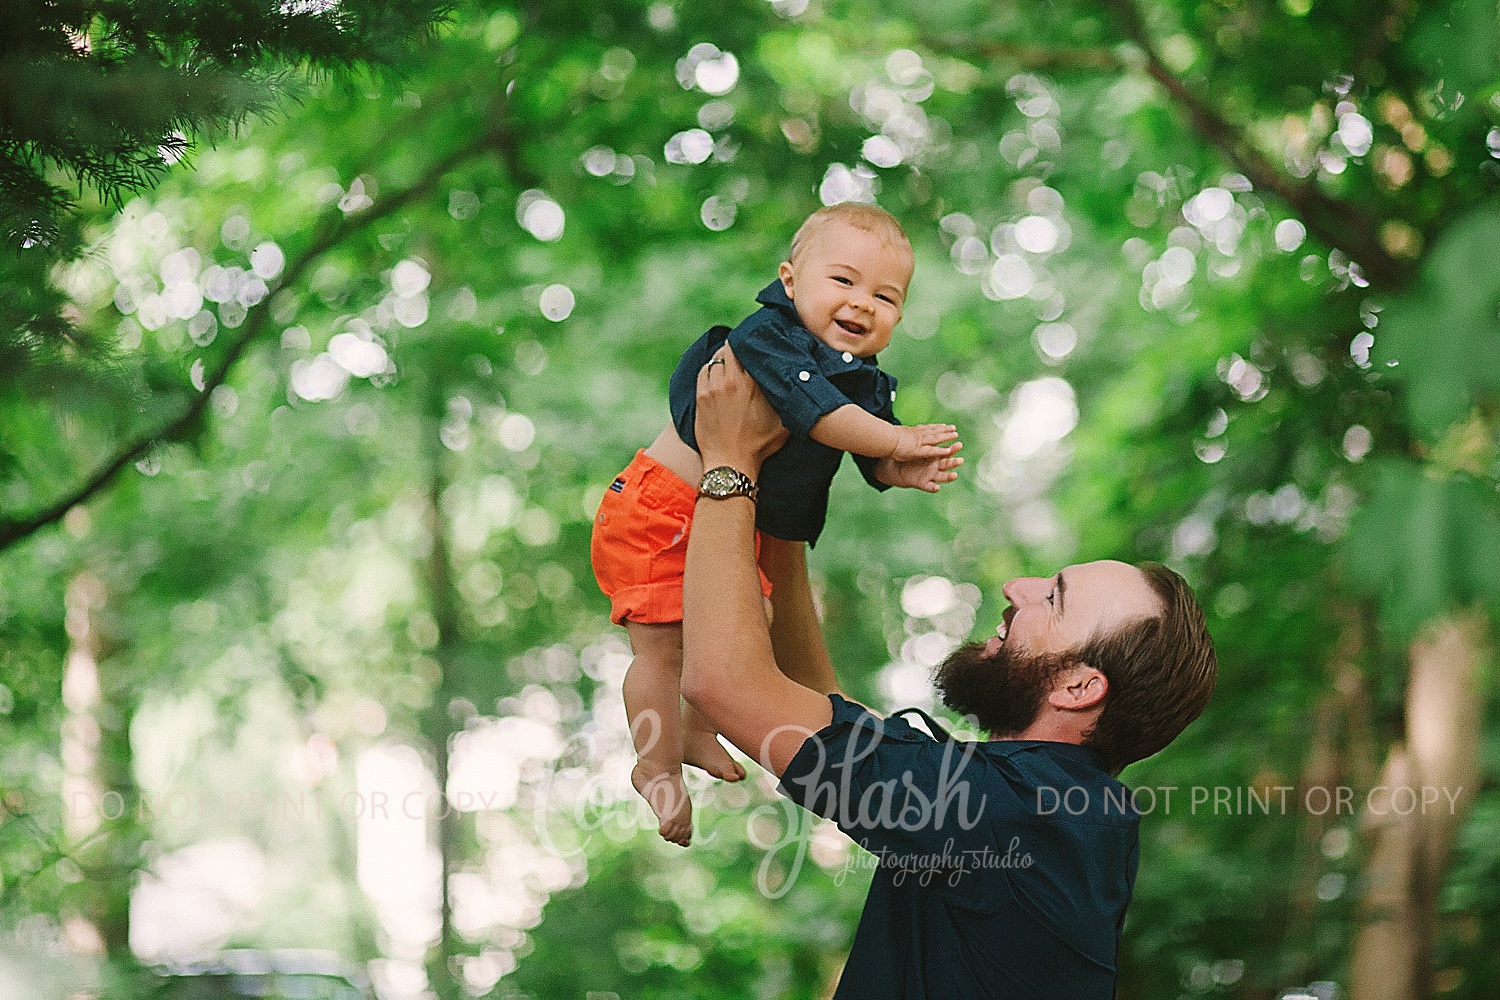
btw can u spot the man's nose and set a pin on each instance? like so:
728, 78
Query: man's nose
1024, 589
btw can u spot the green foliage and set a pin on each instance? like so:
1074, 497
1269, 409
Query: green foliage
269, 563
1426, 542
108, 95
1443, 334
1461, 41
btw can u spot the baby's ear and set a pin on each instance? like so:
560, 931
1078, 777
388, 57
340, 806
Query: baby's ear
785, 273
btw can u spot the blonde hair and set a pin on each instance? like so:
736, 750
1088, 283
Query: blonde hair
870, 218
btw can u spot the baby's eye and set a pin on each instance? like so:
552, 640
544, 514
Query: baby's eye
842, 280
886, 298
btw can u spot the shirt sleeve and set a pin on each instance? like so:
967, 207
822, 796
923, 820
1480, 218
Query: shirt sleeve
787, 373
911, 800
682, 388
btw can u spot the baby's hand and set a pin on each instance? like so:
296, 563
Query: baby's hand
924, 441
926, 474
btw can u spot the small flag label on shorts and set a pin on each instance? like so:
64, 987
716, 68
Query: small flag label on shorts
618, 485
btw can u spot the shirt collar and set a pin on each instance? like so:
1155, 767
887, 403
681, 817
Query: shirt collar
774, 295
1069, 751
831, 362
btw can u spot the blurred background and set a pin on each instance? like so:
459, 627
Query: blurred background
325, 324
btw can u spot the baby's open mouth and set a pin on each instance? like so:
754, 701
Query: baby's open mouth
852, 327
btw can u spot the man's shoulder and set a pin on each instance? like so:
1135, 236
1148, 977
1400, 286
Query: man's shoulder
854, 733
1066, 781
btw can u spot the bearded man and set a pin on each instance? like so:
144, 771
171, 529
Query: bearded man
1005, 866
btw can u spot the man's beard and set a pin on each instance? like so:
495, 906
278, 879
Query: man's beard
1003, 691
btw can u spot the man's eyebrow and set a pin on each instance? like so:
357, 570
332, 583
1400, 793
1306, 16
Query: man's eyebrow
1062, 586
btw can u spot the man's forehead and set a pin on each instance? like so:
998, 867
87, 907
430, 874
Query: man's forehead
1110, 588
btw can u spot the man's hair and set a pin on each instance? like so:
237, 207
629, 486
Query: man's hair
870, 218
1161, 671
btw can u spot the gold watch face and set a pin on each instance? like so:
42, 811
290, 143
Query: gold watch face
726, 482
718, 481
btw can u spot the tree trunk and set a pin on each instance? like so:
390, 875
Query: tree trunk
1439, 762
1443, 723
1385, 948
437, 725
99, 795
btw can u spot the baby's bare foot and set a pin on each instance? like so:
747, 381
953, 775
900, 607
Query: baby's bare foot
702, 749
667, 796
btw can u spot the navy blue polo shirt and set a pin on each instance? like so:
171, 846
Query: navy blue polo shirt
804, 380
1003, 869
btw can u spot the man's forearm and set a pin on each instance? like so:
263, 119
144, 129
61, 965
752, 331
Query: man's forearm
796, 635
724, 624
728, 671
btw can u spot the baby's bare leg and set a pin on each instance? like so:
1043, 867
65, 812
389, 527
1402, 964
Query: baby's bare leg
652, 694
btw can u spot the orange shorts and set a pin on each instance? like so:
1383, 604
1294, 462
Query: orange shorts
639, 545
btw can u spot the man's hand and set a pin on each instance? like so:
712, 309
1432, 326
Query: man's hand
735, 425
927, 474
923, 441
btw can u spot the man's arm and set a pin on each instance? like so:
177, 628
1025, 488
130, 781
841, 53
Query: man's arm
729, 671
796, 635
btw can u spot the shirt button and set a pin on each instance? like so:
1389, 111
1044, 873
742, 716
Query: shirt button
848, 356
803, 376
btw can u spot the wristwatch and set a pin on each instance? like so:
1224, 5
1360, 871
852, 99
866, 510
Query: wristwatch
723, 482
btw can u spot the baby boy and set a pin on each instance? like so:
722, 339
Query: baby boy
811, 348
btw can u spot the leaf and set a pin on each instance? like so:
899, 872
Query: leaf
1426, 544
1459, 41
1446, 333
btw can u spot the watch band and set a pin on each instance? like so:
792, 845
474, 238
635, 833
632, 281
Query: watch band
722, 482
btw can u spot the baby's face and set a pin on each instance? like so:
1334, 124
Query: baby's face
848, 285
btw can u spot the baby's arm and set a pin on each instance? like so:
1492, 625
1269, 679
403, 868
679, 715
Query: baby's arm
808, 403
926, 474
853, 429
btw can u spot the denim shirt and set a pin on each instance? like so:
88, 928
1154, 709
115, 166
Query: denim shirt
804, 380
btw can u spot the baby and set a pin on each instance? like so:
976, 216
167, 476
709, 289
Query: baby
811, 349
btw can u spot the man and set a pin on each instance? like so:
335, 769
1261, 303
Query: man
1004, 867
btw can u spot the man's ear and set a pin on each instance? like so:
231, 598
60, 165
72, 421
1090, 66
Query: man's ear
784, 272
1078, 687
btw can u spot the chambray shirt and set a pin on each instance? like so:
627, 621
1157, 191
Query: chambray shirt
1002, 869
804, 380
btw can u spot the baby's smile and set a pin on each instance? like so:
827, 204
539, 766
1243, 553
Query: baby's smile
848, 285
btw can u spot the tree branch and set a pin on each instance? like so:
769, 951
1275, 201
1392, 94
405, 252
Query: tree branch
1336, 222
334, 228
1062, 58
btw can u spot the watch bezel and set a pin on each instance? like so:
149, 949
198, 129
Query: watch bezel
724, 481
